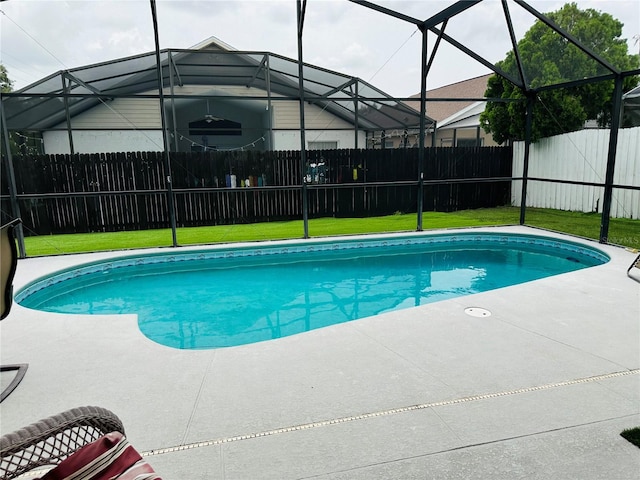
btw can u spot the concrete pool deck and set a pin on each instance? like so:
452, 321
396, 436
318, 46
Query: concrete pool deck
541, 388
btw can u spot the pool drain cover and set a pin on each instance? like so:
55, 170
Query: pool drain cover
477, 312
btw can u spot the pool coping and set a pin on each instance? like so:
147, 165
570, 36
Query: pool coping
133, 257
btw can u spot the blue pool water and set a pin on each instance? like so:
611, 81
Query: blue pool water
233, 296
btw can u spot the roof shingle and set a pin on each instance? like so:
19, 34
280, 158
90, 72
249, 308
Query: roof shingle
472, 88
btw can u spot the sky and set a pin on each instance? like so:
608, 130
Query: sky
41, 37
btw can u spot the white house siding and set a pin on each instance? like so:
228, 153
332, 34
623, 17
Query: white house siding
320, 126
120, 113
103, 141
127, 124
580, 156
120, 125
287, 116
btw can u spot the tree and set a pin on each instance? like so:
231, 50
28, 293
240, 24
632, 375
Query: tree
6, 85
549, 59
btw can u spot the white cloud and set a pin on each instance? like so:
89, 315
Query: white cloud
354, 57
94, 46
128, 41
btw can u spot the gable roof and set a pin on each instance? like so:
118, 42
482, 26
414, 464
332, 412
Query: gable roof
465, 118
39, 106
439, 111
213, 43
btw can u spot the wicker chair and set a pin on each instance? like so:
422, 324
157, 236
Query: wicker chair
9, 256
49, 441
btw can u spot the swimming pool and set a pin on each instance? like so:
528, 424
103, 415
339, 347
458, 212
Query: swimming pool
227, 296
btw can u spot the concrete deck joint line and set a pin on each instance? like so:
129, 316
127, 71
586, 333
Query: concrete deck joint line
392, 411
197, 400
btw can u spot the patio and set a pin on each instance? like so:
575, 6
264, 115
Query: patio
542, 388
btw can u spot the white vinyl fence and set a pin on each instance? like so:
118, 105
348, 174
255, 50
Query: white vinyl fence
580, 156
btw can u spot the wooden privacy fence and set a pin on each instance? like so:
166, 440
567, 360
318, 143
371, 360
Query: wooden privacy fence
128, 191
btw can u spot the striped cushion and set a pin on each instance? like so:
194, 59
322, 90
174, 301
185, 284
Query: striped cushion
109, 457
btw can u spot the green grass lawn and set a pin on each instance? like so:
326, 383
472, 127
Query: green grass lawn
621, 231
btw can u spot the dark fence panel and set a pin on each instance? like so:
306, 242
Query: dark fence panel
447, 165
128, 191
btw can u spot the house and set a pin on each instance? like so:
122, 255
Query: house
215, 98
631, 108
458, 118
